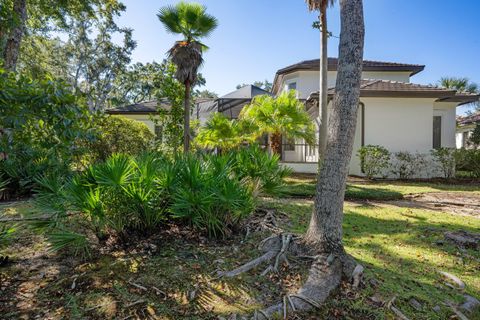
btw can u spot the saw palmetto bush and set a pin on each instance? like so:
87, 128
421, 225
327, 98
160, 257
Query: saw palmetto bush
127, 194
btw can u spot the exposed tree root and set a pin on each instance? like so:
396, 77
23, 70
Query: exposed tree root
325, 276
275, 247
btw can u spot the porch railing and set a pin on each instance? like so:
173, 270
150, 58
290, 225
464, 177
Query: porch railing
299, 152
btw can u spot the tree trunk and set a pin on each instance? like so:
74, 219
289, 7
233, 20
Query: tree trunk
276, 143
325, 229
323, 94
186, 125
12, 46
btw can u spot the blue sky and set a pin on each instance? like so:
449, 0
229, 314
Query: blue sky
255, 38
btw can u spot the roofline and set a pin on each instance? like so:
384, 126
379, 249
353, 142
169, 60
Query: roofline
413, 68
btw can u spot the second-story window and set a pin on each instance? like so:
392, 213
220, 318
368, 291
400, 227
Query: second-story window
292, 86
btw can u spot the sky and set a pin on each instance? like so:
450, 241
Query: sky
255, 38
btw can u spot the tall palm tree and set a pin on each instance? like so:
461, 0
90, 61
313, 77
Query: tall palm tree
192, 22
284, 116
321, 6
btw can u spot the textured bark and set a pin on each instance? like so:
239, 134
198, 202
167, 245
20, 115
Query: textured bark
186, 125
323, 95
325, 229
276, 143
12, 45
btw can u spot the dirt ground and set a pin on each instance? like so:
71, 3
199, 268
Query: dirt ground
457, 203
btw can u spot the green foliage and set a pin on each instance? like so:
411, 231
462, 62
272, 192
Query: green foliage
445, 159
407, 165
117, 134
475, 137
172, 120
188, 19
208, 196
43, 128
261, 169
283, 115
221, 132
136, 194
468, 160
374, 160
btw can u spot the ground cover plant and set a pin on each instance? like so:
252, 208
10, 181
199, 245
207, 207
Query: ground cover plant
138, 194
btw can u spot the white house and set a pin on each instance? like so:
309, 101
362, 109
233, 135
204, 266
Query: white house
465, 127
393, 112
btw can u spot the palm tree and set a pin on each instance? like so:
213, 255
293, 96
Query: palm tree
321, 6
459, 84
284, 116
192, 22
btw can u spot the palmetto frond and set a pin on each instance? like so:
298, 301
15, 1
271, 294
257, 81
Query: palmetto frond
460, 84
284, 115
187, 56
318, 4
188, 19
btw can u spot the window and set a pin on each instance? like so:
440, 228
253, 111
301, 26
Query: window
437, 132
292, 86
158, 132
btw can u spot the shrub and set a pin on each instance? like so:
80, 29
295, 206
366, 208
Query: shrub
116, 134
407, 165
42, 126
468, 160
374, 160
260, 168
126, 194
445, 159
208, 196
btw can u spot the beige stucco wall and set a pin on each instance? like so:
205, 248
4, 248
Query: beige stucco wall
308, 81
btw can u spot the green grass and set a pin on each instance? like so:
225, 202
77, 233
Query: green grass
398, 246
304, 187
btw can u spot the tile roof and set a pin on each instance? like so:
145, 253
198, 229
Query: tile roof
387, 88
465, 120
368, 65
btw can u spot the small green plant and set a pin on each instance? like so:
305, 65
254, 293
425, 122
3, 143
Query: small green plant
260, 168
374, 160
445, 160
406, 165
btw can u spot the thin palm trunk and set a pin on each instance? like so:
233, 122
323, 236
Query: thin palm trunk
186, 125
323, 103
12, 45
325, 229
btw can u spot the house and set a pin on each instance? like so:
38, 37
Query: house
465, 127
393, 112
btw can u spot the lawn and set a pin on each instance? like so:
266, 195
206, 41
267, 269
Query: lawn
172, 274
303, 186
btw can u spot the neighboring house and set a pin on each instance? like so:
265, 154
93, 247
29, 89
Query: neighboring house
393, 112
465, 127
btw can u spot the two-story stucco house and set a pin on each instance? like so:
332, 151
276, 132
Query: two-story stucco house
393, 112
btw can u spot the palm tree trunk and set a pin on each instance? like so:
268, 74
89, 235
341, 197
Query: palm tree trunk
186, 125
323, 119
12, 46
325, 229
276, 143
